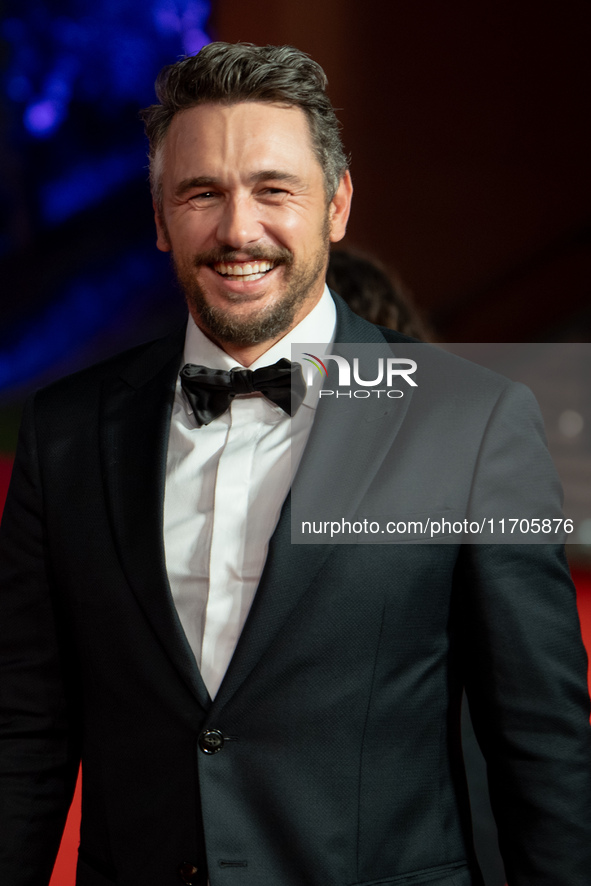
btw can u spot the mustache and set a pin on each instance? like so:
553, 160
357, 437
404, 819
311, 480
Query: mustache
277, 254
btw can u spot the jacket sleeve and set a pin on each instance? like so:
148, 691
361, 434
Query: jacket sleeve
526, 666
39, 746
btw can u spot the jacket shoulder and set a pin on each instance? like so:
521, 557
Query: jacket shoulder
135, 366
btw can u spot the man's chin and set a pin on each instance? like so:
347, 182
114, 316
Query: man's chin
244, 327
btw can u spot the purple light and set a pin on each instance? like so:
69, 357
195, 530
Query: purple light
41, 118
166, 19
194, 40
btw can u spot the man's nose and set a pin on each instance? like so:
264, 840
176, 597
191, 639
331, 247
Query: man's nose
239, 223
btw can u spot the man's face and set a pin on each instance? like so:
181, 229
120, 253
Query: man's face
245, 215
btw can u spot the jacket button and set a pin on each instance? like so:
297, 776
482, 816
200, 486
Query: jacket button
188, 873
211, 741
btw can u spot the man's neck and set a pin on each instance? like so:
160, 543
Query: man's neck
244, 355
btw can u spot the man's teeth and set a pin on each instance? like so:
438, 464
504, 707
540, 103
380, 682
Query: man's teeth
250, 270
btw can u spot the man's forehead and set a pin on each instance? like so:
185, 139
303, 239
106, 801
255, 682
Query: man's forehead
259, 136
246, 120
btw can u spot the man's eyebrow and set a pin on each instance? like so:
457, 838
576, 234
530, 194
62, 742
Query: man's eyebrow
277, 175
200, 181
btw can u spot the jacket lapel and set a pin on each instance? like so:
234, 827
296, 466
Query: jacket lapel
135, 424
290, 568
350, 437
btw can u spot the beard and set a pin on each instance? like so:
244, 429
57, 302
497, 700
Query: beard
273, 320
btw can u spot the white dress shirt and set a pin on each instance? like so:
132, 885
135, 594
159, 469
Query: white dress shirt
225, 485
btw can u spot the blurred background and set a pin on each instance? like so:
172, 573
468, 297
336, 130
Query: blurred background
468, 126
470, 136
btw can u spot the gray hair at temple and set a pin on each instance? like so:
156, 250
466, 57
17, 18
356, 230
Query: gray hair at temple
228, 73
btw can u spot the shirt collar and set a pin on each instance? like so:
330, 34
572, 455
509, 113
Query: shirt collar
317, 327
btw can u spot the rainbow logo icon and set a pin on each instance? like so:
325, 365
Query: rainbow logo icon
317, 362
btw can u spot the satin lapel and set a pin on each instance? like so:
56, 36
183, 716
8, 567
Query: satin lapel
136, 414
290, 568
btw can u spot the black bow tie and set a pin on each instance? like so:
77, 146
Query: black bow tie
210, 391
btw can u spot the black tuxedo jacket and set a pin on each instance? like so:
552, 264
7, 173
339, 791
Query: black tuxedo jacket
338, 762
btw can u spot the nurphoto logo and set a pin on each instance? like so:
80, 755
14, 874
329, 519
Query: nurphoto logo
389, 370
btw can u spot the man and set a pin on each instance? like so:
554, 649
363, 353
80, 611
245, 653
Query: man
247, 710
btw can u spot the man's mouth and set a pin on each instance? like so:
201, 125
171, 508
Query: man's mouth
251, 270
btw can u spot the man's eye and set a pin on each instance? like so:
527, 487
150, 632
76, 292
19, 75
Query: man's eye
205, 195
274, 192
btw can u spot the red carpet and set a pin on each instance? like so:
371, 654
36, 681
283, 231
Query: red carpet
5, 469
65, 866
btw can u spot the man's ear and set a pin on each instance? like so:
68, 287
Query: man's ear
162, 238
339, 208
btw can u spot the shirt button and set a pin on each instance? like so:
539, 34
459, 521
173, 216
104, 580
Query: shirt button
188, 873
211, 741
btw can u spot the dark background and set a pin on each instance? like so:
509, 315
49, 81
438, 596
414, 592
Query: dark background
469, 131
468, 126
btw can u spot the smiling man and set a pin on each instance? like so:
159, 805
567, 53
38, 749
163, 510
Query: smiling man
247, 711
248, 203
243, 206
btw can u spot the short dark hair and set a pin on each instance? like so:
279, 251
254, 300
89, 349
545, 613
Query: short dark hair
227, 73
